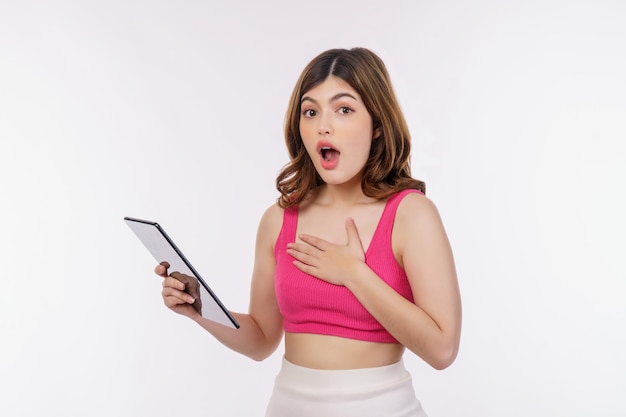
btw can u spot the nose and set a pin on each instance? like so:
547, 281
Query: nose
324, 127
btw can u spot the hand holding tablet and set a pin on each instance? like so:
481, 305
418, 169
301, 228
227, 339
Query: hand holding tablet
165, 251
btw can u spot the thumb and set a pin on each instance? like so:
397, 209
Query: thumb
353, 233
161, 269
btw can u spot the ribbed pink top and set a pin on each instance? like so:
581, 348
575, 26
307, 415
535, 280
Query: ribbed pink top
311, 305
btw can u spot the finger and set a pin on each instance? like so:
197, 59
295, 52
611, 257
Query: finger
178, 276
302, 257
307, 269
172, 282
304, 248
193, 288
316, 242
186, 310
187, 281
172, 296
161, 269
353, 233
175, 303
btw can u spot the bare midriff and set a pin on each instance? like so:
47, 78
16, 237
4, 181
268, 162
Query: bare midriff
332, 352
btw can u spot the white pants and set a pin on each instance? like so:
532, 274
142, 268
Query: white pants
385, 391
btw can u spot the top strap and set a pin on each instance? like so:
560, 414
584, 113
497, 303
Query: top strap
389, 213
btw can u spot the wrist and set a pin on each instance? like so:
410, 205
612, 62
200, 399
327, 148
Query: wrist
357, 275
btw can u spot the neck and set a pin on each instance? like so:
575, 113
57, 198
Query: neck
342, 195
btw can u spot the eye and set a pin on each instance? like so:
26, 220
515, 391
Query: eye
345, 110
308, 112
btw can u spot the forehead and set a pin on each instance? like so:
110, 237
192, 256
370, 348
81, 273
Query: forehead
329, 88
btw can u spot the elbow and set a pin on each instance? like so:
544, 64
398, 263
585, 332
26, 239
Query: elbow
442, 360
442, 356
264, 350
445, 349
258, 357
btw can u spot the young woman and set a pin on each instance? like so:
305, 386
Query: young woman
352, 264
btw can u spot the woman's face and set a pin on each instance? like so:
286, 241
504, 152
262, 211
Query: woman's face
337, 131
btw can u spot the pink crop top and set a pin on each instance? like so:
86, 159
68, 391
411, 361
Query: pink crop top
311, 305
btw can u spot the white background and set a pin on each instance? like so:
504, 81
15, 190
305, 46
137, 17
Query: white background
173, 111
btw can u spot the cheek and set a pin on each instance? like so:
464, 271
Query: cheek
366, 141
305, 131
309, 144
366, 151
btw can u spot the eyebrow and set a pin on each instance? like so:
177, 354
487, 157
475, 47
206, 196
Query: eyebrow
333, 98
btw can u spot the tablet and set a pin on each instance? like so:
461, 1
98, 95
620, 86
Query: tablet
163, 249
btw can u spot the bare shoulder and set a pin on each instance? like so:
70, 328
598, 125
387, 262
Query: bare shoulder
270, 224
273, 213
417, 220
416, 208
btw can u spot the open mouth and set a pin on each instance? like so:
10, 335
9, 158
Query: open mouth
328, 153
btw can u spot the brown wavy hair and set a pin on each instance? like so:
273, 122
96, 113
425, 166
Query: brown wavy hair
387, 169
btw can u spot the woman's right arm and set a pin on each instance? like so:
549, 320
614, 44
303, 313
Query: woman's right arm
262, 327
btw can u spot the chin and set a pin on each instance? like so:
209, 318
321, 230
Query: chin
330, 179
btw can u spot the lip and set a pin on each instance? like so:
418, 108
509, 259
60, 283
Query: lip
324, 144
327, 164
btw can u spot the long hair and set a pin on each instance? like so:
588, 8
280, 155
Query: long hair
387, 169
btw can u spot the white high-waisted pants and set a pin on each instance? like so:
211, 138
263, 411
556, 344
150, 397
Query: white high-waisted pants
385, 391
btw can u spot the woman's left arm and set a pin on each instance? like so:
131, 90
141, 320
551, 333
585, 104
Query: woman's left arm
431, 326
